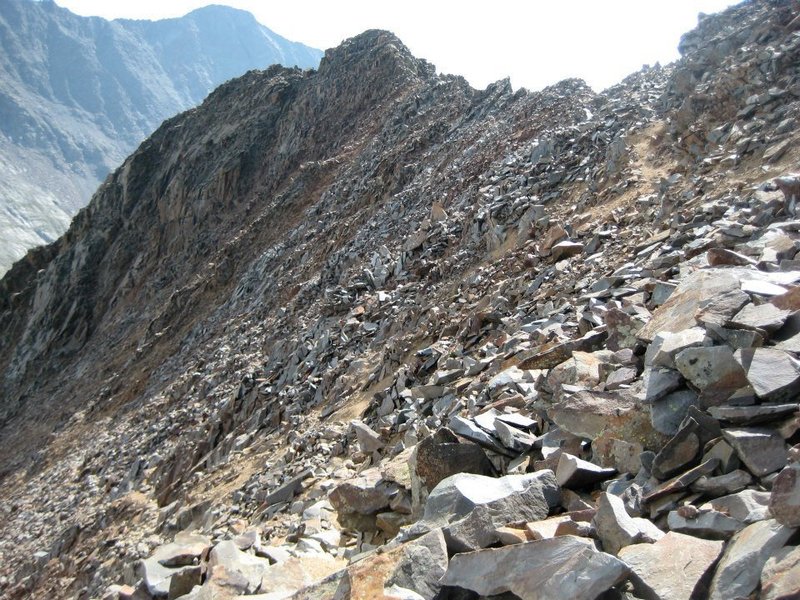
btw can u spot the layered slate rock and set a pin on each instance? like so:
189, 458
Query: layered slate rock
560, 568
739, 571
673, 568
784, 501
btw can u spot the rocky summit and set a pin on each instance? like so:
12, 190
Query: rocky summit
366, 332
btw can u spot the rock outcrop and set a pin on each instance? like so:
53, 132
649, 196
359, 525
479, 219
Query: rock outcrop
366, 332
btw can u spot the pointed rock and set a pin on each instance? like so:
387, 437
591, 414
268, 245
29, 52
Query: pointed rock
617, 529
572, 472
784, 501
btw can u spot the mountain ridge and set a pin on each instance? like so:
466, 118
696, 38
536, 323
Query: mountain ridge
78, 94
295, 306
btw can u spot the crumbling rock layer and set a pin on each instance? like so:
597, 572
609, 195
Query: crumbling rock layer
367, 332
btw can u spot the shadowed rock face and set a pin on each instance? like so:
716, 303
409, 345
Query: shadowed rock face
373, 243
77, 95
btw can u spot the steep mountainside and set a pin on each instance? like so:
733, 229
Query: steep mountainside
78, 94
367, 332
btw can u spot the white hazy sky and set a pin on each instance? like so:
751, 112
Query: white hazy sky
535, 42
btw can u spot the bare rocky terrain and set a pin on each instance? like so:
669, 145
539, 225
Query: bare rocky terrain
366, 332
78, 94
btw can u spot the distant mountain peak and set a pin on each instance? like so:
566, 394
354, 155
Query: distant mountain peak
77, 94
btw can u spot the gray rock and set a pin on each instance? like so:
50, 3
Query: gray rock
666, 345
285, 492
667, 413
680, 452
765, 317
780, 578
673, 568
457, 496
561, 568
784, 500
762, 450
441, 455
368, 440
719, 309
186, 549
592, 414
709, 524
739, 571
234, 562
747, 506
693, 293
423, 564
513, 438
617, 529
366, 494
657, 383
682, 481
774, 374
566, 249
712, 370
572, 472
728, 483
470, 431
752, 415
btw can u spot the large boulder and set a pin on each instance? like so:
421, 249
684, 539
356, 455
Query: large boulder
739, 571
674, 568
560, 568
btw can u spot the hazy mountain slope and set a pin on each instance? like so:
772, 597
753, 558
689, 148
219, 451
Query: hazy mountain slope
77, 94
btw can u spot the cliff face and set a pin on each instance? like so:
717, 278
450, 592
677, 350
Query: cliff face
78, 94
287, 295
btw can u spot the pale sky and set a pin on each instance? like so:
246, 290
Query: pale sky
535, 42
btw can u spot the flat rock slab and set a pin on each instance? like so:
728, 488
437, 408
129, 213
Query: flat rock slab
747, 506
694, 291
739, 571
774, 374
680, 452
673, 568
763, 451
298, 572
780, 579
667, 413
469, 430
764, 317
709, 524
751, 415
718, 311
561, 568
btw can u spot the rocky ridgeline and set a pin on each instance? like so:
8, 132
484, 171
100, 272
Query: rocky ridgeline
518, 345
